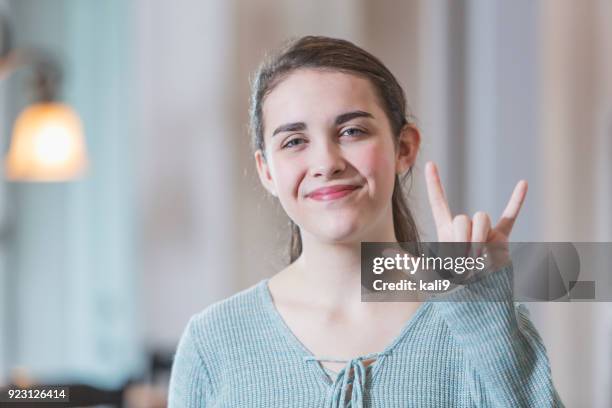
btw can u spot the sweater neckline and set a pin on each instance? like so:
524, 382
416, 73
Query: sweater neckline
289, 335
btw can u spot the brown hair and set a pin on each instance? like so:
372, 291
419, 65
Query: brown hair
337, 55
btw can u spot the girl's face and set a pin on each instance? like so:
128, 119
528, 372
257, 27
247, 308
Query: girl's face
330, 156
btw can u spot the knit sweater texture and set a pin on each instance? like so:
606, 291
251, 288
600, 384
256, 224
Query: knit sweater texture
460, 352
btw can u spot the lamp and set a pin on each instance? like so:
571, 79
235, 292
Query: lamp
47, 142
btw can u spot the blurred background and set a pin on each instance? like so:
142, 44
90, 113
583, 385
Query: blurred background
99, 276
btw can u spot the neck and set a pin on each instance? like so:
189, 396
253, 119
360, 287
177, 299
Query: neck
331, 271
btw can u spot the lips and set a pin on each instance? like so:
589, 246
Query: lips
332, 192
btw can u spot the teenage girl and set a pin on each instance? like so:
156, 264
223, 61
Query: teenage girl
333, 142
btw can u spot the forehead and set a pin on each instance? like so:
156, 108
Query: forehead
312, 95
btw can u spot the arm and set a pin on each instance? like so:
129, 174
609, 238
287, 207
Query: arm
507, 360
190, 384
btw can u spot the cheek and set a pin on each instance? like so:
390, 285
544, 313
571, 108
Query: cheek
287, 173
376, 161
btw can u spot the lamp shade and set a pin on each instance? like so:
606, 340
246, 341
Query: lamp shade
47, 145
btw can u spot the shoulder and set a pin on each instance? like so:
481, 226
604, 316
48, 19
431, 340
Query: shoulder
229, 321
241, 305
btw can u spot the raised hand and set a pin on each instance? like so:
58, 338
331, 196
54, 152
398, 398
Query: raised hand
476, 230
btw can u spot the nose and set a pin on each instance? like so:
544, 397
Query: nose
326, 160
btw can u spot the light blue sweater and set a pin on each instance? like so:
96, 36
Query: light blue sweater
240, 353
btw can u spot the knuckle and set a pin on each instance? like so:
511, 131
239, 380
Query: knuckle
481, 216
461, 218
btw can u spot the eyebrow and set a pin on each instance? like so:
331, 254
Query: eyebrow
340, 119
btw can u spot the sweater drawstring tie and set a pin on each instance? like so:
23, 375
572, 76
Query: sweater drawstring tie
354, 375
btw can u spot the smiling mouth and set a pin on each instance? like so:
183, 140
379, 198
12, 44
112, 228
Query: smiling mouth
333, 195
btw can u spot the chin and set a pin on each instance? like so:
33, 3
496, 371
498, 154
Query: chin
340, 225
340, 230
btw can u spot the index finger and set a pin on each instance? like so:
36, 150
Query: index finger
506, 222
437, 198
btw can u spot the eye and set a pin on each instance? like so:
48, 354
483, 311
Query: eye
293, 142
352, 131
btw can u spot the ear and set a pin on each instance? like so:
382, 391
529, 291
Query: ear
263, 170
408, 147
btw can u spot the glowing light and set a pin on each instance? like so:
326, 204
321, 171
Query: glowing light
47, 145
